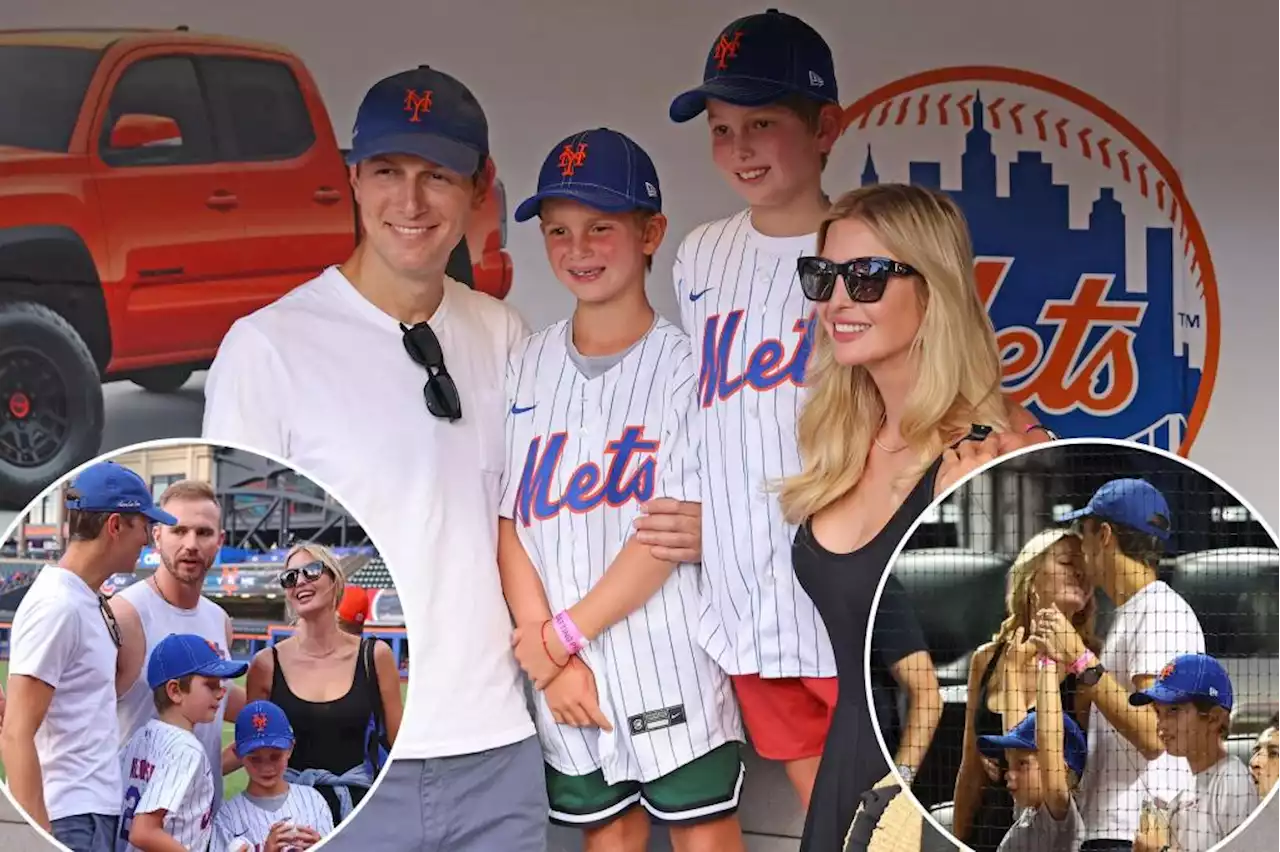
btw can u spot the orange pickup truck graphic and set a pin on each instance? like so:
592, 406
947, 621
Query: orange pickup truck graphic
155, 186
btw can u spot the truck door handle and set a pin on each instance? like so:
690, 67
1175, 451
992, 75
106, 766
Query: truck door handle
327, 195
222, 201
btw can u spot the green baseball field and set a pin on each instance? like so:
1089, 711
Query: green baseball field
233, 783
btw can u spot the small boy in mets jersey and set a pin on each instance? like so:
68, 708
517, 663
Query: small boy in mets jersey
168, 797
637, 722
271, 814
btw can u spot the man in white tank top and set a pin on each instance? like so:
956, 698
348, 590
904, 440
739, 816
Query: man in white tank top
170, 602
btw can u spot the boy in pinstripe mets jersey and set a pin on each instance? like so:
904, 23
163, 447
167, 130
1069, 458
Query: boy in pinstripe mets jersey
168, 799
769, 94
271, 813
633, 715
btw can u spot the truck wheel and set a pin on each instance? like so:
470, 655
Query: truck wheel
50, 401
162, 379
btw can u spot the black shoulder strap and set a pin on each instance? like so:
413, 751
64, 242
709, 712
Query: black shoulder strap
990, 669
368, 645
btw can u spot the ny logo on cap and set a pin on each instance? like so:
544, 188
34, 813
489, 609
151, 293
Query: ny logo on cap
570, 159
214, 647
417, 103
727, 49
1166, 672
259, 722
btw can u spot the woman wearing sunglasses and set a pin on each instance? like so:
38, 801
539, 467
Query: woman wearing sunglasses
322, 679
903, 399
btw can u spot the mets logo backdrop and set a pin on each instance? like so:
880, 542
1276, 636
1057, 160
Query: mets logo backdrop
1091, 261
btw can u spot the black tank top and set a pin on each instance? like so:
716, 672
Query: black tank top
842, 586
986, 722
329, 734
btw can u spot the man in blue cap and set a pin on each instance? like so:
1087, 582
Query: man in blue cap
1124, 530
1192, 700
60, 741
383, 377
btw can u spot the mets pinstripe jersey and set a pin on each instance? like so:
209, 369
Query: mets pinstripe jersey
583, 452
244, 822
741, 303
166, 769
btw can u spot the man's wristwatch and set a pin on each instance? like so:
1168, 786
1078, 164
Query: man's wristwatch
908, 774
1091, 675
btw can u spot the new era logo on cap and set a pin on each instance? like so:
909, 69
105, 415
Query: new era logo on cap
760, 59
601, 168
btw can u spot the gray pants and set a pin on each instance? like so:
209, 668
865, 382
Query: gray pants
86, 832
494, 800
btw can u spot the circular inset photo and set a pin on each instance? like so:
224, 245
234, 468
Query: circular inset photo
200, 646
1099, 621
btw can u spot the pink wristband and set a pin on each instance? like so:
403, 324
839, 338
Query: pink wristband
1045, 662
570, 636
1083, 662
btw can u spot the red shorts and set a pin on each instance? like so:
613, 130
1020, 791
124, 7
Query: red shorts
786, 718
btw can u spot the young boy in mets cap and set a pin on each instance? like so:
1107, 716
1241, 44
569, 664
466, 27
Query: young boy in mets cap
60, 742
168, 782
1192, 699
1124, 530
770, 97
637, 722
271, 813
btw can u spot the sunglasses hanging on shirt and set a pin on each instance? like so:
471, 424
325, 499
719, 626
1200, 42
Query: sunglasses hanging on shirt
440, 392
865, 278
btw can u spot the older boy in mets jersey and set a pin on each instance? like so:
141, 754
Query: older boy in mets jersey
168, 795
769, 92
630, 710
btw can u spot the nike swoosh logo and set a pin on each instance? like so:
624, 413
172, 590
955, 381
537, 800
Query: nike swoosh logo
693, 297
515, 409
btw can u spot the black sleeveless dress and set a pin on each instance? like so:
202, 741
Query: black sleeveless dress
842, 586
329, 735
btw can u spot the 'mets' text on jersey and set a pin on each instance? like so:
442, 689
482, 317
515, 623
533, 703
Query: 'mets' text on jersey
588, 441
741, 302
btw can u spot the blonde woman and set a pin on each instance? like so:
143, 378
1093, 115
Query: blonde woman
320, 678
904, 366
1049, 571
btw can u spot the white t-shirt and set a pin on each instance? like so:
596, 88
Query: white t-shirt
166, 769
321, 378
247, 820
60, 637
160, 618
1152, 628
1223, 798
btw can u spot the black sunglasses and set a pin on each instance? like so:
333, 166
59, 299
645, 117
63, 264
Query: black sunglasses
113, 626
289, 577
440, 392
864, 277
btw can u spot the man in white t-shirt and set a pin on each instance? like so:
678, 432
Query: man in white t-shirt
384, 379
60, 740
170, 601
1124, 530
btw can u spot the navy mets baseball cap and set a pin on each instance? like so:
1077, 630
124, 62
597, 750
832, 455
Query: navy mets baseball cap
1023, 736
1132, 502
423, 112
262, 724
600, 168
181, 654
111, 487
760, 59
1186, 677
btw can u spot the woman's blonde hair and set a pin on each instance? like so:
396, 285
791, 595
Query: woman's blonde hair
325, 557
958, 379
1019, 599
